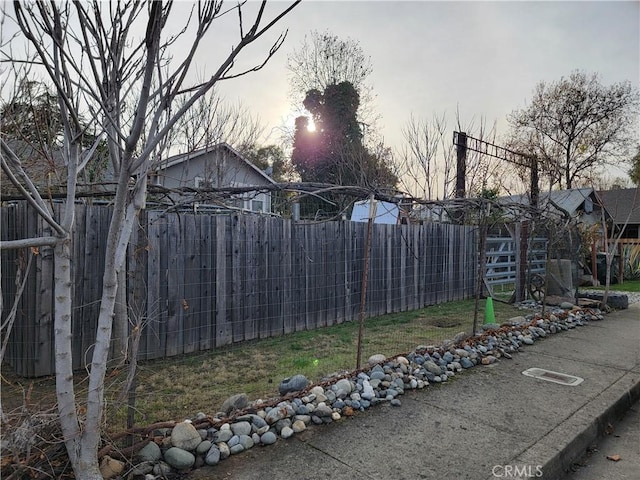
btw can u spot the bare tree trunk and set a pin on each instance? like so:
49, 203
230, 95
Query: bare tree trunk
121, 320
65, 391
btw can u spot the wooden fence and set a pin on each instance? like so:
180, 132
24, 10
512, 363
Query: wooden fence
201, 282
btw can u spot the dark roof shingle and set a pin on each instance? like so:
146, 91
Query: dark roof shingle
622, 203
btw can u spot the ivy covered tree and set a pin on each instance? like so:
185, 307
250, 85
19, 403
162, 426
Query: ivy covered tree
333, 151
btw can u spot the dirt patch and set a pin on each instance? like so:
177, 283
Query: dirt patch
439, 322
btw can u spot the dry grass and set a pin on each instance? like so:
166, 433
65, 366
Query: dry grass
179, 387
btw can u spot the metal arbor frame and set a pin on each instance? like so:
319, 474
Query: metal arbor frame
463, 143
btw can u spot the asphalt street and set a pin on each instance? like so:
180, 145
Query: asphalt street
615, 456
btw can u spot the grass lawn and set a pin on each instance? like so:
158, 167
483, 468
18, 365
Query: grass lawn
179, 387
627, 286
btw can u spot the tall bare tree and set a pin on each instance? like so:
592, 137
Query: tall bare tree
107, 59
324, 59
576, 125
426, 161
426, 164
212, 120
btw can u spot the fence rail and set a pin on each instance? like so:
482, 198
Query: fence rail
200, 282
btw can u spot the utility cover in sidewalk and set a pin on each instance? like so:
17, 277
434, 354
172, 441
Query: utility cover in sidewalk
555, 377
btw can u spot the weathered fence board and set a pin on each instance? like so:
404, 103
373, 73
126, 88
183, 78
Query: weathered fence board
37, 301
195, 258
224, 332
285, 299
206, 289
158, 298
136, 291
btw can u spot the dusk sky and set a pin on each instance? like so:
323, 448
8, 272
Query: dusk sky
429, 58
484, 58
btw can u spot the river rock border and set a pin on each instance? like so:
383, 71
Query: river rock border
205, 440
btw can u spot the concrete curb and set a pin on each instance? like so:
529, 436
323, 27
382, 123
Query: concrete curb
555, 454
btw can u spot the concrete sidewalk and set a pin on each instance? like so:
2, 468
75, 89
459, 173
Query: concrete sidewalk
488, 422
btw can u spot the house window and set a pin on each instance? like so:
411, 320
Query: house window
257, 206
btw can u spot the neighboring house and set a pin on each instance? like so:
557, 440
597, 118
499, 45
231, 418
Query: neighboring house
582, 204
623, 205
216, 166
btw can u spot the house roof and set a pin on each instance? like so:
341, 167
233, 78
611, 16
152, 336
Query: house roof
183, 157
623, 204
569, 200
572, 201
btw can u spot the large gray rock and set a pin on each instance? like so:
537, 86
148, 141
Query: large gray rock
432, 367
268, 438
518, 320
213, 456
235, 402
343, 384
149, 453
185, 436
293, 384
203, 447
223, 435
275, 414
376, 358
179, 459
241, 428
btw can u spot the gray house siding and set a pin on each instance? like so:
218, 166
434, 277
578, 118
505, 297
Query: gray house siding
219, 166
